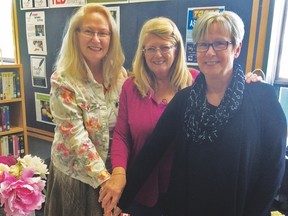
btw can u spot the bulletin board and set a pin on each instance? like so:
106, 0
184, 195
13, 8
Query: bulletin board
132, 17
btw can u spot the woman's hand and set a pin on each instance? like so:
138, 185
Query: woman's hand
111, 190
116, 212
252, 77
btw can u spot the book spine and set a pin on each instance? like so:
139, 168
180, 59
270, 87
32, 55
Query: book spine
1, 123
7, 117
14, 84
4, 145
0, 146
1, 87
4, 85
10, 144
10, 85
17, 84
16, 145
3, 118
21, 145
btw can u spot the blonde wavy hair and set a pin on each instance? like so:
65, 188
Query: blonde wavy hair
70, 60
179, 74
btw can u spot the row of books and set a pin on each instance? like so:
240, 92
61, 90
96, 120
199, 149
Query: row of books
4, 118
12, 144
9, 85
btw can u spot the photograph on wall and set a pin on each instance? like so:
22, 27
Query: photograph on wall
42, 108
108, 1
35, 31
115, 11
38, 71
192, 15
66, 3
33, 4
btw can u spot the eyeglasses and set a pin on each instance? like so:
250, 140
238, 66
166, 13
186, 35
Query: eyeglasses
217, 46
90, 34
152, 50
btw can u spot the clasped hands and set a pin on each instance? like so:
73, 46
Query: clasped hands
111, 191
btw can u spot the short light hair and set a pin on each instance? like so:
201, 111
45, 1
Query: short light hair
70, 60
179, 74
229, 21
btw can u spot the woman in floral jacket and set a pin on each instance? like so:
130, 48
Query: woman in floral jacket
84, 96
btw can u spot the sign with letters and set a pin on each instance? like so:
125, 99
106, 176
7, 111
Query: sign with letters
66, 3
192, 15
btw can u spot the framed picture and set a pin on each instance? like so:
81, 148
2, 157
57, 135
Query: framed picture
33, 4
115, 11
42, 108
38, 71
35, 32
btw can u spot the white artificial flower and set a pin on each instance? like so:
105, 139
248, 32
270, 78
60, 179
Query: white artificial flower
35, 163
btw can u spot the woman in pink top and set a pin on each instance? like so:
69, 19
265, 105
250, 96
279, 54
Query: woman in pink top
159, 72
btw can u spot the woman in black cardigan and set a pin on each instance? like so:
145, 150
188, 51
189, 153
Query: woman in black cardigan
229, 137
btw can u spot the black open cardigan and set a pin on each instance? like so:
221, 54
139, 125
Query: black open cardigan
238, 175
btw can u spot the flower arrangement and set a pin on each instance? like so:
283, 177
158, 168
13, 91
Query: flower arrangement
22, 181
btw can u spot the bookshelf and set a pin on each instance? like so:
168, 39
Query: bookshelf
16, 103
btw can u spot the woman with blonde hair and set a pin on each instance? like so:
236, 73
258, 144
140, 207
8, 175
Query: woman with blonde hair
84, 95
159, 71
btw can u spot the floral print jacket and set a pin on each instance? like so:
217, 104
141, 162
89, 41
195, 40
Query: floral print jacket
84, 118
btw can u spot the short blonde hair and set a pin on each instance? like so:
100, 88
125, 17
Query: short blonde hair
70, 60
179, 74
229, 21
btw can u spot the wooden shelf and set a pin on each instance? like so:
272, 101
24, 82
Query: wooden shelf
13, 130
17, 108
13, 100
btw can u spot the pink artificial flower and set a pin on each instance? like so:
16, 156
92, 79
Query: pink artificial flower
21, 196
9, 160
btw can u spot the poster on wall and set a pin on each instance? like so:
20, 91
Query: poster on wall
36, 34
192, 15
38, 71
42, 108
66, 3
115, 11
33, 4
